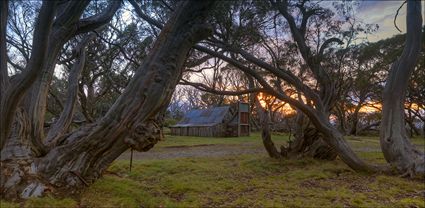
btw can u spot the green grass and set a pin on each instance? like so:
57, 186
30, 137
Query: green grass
250, 180
45, 202
254, 138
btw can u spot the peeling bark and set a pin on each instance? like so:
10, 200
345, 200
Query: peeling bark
14, 93
67, 25
80, 157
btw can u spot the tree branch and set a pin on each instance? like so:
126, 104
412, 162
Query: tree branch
282, 7
326, 44
395, 17
285, 75
62, 124
4, 77
120, 48
197, 62
17, 66
142, 15
205, 88
19, 47
98, 20
70, 12
267, 87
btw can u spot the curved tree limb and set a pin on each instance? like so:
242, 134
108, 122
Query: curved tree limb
66, 27
145, 95
14, 93
120, 48
269, 89
333, 137
198, 61
98, 20
326, 44
61, 126
265, 131
314, 62
4, 77
22, 49
142, 15
321, 121
286, 75
205, 88
282, 7
70, 12
396, 14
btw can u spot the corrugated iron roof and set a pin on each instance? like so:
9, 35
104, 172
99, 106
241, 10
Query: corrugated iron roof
204, 117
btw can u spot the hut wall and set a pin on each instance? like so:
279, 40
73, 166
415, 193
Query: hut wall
232, 130
203, 131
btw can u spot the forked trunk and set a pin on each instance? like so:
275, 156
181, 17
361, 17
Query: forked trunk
79, 158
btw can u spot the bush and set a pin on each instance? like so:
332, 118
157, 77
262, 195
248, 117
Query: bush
170, 122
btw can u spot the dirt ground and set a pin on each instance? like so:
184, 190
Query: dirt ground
213, 150
210, 150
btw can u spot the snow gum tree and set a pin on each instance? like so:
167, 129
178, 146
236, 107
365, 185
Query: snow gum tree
395, 144
32, 164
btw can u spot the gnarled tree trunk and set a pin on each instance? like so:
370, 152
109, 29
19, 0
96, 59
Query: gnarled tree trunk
318, 118
309, 141
79, 158
265, 131
397, 149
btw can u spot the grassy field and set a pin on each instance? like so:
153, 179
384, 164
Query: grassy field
245, 180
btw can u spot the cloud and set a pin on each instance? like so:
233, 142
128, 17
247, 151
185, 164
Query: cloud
382, 13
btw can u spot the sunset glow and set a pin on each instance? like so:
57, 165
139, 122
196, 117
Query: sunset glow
268, 101
371, 107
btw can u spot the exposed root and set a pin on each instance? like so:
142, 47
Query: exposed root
411, 173
310, 144
19, 179
80, 177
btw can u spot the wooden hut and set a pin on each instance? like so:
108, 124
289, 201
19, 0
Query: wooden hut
223, 121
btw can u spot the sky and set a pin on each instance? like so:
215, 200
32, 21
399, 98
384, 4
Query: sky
382, 13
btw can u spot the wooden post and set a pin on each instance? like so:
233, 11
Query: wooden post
239, 118
131, 158
249, 118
